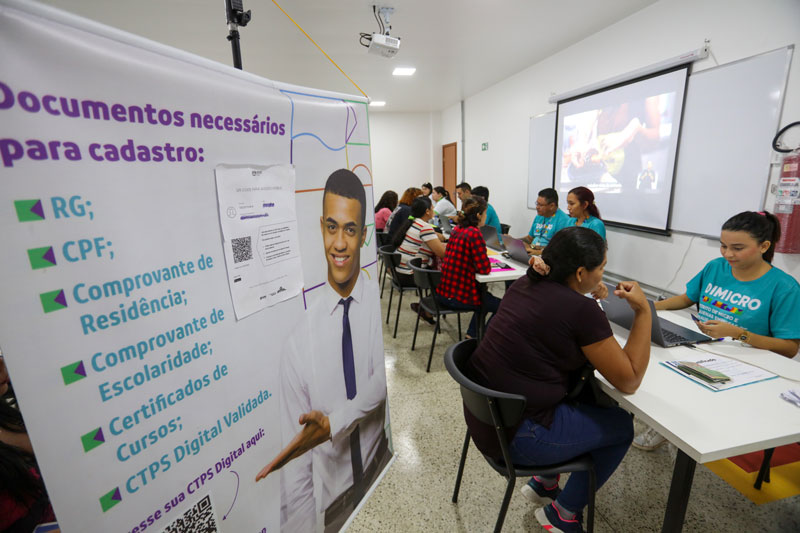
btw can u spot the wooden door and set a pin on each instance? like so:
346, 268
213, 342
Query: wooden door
449, 169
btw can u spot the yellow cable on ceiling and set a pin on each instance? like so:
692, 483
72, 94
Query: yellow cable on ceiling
321, 50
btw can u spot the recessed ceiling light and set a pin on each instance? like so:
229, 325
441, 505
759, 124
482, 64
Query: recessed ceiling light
377, 104
404, 71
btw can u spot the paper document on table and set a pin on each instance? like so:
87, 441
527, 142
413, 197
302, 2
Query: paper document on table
740, 373
792, 396
259, 229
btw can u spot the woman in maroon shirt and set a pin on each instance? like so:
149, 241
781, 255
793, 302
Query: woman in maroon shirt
464, 257
23, 499
545, 333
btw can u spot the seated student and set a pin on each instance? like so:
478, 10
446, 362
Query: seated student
583, 211
443, 206
400, 214
549, 220
741, 295
491, 215
464, 257
384, 209
545, 334
416, 238
427, 189
23, 500
463, 191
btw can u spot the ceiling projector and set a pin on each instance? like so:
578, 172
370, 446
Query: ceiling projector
384, 45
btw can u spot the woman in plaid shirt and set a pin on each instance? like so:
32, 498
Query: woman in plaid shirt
464, 257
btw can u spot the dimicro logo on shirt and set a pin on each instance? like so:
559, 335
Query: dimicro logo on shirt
735, 298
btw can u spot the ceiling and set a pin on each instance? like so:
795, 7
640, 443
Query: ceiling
459, 47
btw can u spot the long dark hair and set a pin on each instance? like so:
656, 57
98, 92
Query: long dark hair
568, 250
388, 200
418, 208
584, 194
762, 226
441, 190
471, 210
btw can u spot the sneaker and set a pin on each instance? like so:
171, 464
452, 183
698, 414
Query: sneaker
427, 317
648, 440
549, 518
538, 494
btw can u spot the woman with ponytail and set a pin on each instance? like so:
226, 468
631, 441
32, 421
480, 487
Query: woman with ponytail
741, 295
464, 257
545, 334
583, 211
416, 238
444, 206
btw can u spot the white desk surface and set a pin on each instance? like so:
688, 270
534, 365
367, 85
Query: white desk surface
710, 425
504, 275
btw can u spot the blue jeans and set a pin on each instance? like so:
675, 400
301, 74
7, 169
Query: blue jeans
605, 433
489, 302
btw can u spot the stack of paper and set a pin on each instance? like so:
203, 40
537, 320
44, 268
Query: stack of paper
740, 373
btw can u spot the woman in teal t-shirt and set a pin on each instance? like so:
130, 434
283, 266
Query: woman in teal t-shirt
583, 211
741, 295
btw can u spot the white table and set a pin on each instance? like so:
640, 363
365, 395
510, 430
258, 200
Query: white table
518, 271
706, 425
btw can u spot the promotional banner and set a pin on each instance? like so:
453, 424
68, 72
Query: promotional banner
189, 312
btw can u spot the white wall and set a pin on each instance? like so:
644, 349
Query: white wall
500, 114
404, 150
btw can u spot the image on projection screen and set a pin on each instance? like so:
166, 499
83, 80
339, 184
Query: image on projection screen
621, 143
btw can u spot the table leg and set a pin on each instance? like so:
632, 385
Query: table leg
679, 490
481, 313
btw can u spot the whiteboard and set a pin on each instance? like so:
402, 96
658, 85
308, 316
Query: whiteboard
729, 118
732, 113
541, 155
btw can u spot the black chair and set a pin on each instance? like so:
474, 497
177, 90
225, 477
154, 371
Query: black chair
505, 228
503, 410
427, 280
383, 240
391, 259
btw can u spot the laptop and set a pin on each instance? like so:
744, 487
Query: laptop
444, 223
515, 249
663, 332
490, 236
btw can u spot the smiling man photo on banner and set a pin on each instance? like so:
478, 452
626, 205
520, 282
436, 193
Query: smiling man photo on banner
333, 379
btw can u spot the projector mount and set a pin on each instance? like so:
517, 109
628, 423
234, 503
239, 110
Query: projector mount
381, 42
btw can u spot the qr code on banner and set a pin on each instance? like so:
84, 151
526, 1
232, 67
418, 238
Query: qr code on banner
197, 519
242, 249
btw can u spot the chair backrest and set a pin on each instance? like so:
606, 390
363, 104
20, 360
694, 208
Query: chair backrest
383, 238
391, 258
423, 277
487, 405
505, 228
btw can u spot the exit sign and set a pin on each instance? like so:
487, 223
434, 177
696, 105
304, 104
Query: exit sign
484, 147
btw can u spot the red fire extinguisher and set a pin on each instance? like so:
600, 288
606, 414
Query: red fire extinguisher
787, 205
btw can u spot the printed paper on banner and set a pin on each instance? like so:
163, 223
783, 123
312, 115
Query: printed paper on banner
259, 227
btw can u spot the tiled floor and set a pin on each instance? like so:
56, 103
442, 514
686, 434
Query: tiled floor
428, 432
